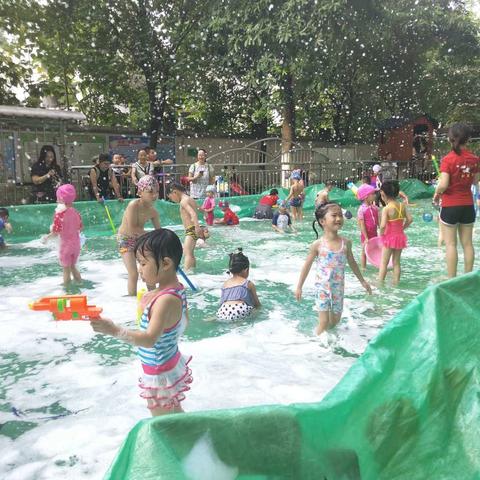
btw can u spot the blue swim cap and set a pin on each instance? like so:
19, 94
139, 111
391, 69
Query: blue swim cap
427, 217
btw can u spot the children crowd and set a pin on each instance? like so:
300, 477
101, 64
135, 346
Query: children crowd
156, 256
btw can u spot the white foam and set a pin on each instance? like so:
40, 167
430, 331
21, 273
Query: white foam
274, 359
203, 463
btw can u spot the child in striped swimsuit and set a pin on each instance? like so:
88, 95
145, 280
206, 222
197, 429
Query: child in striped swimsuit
166, 373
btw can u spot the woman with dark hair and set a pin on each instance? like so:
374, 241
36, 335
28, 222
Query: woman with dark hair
46, 176
458, 171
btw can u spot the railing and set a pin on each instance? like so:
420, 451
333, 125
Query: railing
231, 178
235, 178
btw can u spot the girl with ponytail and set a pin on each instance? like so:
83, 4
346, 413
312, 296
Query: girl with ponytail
332, 253
239, 296
459, 170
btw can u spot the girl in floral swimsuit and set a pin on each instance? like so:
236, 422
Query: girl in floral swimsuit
332, 253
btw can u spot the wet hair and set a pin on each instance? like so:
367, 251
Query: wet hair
238, 262
458, 135
320, 213
170, 187
201, 150
367, 179
141, 150
43, 154
4, 213
390, 188
159, 244
273, 191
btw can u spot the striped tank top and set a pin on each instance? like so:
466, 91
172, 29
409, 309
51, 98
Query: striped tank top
166, 346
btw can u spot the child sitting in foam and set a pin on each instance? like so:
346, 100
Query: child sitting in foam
281, 221
239, 296
229, 218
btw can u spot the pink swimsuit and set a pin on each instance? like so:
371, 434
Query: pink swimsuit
209, 203
68, 224
394, 236
369, 215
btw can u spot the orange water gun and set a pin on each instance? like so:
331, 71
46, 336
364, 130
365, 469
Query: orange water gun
68, 307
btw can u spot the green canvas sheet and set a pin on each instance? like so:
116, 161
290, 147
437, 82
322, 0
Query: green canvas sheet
31, 221
407, 409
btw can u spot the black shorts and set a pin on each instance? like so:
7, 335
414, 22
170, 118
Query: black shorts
464, 215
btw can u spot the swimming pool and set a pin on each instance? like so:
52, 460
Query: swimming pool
69, 397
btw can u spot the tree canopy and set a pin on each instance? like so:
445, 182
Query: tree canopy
327, 69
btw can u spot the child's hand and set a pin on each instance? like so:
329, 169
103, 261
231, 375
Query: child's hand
8, 227
298, 294
367, 287
105, 326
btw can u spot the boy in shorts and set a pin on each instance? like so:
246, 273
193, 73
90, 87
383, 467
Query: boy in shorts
189, 214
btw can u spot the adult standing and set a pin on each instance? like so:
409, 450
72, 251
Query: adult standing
141, 167
458, 171
102, 180
46, 176
200, 175
158, 169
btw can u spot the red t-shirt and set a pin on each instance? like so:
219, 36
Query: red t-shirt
269, 200
461, 169
229, 217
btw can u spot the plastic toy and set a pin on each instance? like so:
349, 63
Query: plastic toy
427, 217
353, 188
109, 216
140, 295
373, 252
68, 307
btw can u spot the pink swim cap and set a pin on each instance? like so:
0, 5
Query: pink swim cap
364, 191
66, 193
148, 183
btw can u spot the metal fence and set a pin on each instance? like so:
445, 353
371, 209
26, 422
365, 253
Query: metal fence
238, 178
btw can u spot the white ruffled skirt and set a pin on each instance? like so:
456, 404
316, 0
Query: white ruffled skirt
167, 389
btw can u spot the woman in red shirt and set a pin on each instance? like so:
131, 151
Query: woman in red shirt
459, 170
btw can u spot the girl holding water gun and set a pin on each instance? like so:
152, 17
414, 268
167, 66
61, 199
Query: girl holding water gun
166, 373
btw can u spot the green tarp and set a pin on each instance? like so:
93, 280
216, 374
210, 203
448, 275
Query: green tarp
407, 409
31, 221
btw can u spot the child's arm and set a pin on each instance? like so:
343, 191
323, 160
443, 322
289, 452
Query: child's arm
408, 219
312, 254
253, 290
403, 196
363, 229
163, 313
384, 220
354, 266
156, 219
8, 227
290, 194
